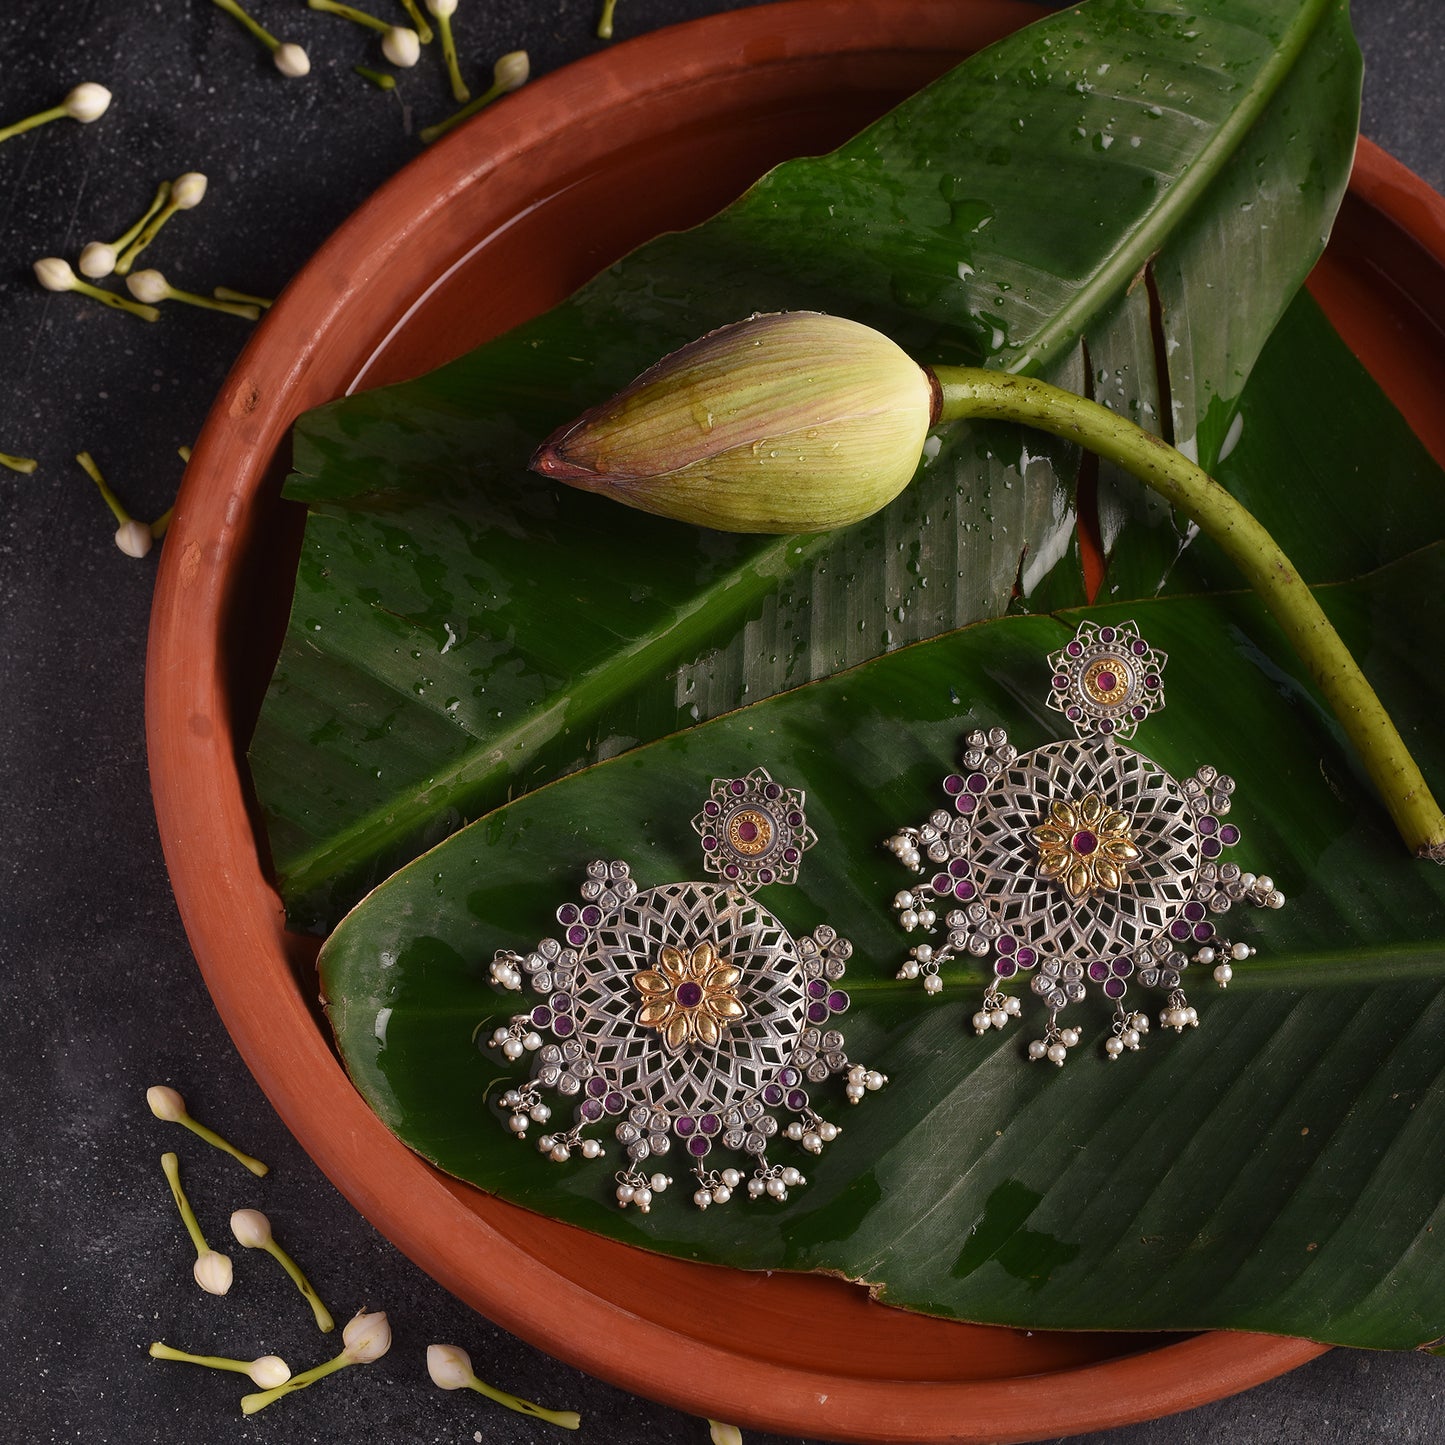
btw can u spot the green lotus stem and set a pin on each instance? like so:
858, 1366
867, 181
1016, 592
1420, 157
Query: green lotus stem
604, 24
418, 21
381, 79
975, 393
18, 464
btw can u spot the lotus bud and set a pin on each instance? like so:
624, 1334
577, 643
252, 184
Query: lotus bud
267, 1372
721, 1434
56, 275
87, 102
213, 1272
450, 1368
167, 1104
290, 60
253, 1231
789, 422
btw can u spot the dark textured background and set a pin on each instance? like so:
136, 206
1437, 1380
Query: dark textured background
100, 995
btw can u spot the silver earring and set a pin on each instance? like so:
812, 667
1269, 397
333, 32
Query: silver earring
1081, 862
687, 1017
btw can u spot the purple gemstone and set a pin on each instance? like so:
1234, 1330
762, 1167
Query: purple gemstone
562, 1026
964, 889
709, 1123
747, 830
953, 784
737, 787
765, 875
614, 1103
1152, 682
1179, 929
1106, 634
1098, 970
1123, 967
561, 1002
1074, 714
590, 1109
1194, 911
577, 935
788, 1077
1203, 932
959, 867
1084, 842
1140, 647
817, 988
790, 855
837, 1000
965, 802
1006, 968
1106, 725
1207, 824
697, 1146
567, 913
1138, 713
795, 819
1026, 957
596, 1086
1211, 847
592, 915
772, 791
942, 882
1114, 988
1106, 681
689, 994
732, 871
977, 783
1075, 649
541, 1016
1007, 944
1229, 834
684, 1126
709, 841
817, 1013
797, 1100
1060, 682
712, 809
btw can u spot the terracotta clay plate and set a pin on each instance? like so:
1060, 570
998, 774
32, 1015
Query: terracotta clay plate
496, 223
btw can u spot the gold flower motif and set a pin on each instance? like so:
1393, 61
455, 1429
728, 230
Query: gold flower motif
1086, 845
689, 998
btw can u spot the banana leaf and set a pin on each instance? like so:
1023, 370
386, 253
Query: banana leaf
1279, 1169
1078, 201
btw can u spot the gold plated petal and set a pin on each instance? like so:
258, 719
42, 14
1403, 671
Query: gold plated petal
706, 1028
704, 956
1077, 877
1091, 809
677, 1031
650, 981
656, 1012
724, 1007
671, 962
724, 975
1107, 874
1121, 850
1063, 814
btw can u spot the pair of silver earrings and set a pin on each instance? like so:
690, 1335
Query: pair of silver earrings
687, 1017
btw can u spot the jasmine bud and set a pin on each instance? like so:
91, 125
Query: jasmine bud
87, 102
509, 73
268, 1371
290, 60
212, 1270
165, 1103
399, 44
152, 286
789, 422
721, 1434
56, 275
450, 1368
186, 193
253, 1231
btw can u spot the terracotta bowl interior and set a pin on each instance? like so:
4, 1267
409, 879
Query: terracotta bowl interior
485, 230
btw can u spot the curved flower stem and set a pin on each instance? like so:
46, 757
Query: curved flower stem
258, 30
126, 238
324, 1322
259, 1400
350, 12
161, 1351
604, 23
974, 392
171, 1164
418, 22
567, 1419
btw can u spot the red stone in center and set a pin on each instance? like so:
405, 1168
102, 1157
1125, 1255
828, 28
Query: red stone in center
1084, 841
747, 832
689, 994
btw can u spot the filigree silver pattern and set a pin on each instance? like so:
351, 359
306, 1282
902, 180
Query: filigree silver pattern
685, 1015
1082, 861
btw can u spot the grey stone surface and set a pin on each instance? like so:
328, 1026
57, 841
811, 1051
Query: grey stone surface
100, 994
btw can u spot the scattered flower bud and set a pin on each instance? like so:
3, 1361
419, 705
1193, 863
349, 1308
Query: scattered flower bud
366, 1337
87, 102
99, 258
289, 59
165, 1103
418, 21
721, 1434
443, 10
152, 286
212, 1270
508, 74
56, 275
381, 79
450, 1367
268, 1371
604, 23
789, 422
253, 1231
186, 193
134, 538
18, 464
401, 46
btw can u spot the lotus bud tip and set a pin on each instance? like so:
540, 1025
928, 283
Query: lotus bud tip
402, 46
269, 1371
291, 60
134, 538
165, 1103
189, 190
213, 1272
366, 1336
87, 102
251, 1228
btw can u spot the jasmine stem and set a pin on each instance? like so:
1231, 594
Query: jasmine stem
226, 293
381, 79
164, 1102
172, 1166
604, 25
42, 117
18, 464
162, 523
162, 1351
350, 12
418, 22
508, 74
442, 10
162, 195
258, 1401
259, 31
120, 514
974, 392
567, 1419
186, 193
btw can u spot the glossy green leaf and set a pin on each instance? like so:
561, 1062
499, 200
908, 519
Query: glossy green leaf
1092, 186
1280, 1168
